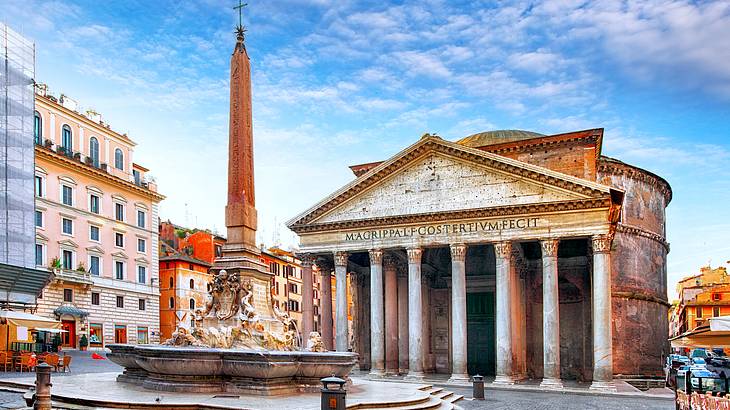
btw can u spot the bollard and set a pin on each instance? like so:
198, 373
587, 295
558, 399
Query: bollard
42, 387
478, 390
333, 398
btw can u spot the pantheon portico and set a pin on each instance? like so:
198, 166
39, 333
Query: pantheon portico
491, 255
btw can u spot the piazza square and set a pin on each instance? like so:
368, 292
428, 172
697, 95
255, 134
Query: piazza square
330, 205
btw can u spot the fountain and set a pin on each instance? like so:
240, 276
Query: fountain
239, 341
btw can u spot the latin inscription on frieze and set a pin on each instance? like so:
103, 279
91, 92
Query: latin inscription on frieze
443, 229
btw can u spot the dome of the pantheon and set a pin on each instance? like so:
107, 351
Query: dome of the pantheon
497, 137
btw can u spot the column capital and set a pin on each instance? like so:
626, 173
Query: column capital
307, 259
503, 250
341, 258
549, 247
414, 255
376, 256
390, 262
458, 252
601, 243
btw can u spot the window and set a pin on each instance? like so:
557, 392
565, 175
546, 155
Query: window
192, 284
172, 303
96, 333
119, 270
142, 304
39, 186
94, 265
39, 254
137, 177
119, 212
94, 151
141, 245
120, 301
67, 195
94, 203
715, 311
119, 239
716, 296
218, 251
118, 159
67, 226
68, 295
172, 282
95, 298
39, 219
66, 140
38, 128
142, 335
94, 233
192, 304
67, 259
698, 312
141, 274
141, 218
293, 288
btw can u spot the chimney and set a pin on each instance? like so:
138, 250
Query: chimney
93, 116
69, 103
41, 89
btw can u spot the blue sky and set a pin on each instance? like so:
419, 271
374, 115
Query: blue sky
341, 82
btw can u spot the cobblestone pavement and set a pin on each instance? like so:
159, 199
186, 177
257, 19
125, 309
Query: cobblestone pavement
81, 362
11, 400
500, 399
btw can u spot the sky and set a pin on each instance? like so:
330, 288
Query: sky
338, 82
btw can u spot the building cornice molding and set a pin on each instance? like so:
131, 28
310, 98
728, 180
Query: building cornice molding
546, 141
514, 210
611, 166
45, 153
429, 144
635, 230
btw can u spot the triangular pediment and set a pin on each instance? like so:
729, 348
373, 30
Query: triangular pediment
119, 255
437, 176
95, 249
68, 243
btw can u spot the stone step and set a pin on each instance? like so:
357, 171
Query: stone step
434, 390
443, 395
454, 398
432, 403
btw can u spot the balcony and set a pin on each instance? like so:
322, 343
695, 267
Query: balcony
73, 276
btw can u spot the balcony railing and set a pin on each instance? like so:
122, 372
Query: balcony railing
73, 276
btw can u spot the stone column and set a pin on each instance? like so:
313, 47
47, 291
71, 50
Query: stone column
503, 251
342, 339
415, 319
377, 336
402, 320
390, 267
326, 303
307, 297
602, 342
459, 372
550, 315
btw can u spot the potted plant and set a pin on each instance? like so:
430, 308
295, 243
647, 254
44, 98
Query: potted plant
83, 343
56, 263
81, 267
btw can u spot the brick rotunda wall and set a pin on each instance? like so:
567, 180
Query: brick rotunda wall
639, 270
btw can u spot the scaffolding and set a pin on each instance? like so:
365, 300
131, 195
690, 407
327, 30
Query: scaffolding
17, 160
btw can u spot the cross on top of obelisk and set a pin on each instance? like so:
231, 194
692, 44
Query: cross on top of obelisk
240, 30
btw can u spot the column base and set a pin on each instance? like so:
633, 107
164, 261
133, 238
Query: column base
403, 372
458, 378
376, 374
603, 386
503, 380
414, 376
551, 383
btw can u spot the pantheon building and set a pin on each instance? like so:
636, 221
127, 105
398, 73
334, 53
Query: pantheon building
506, 253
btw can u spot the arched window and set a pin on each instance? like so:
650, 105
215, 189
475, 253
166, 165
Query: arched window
172, 283
94, 151
118, 159
172, 302
192, 284
38, 128
192, 304
66, 139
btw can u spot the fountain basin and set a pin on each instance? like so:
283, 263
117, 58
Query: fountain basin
211, 370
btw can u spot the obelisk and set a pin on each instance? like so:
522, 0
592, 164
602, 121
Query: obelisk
240, 253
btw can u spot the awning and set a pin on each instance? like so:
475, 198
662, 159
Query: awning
70, 310
20, 285
41, 329
28, 320
716, 334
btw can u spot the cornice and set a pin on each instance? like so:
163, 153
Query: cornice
435, 144
84, 169
538, 143
635, 230
580, 204
612, 166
